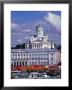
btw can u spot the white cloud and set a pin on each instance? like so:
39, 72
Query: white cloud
19, 28
26, 37
19, 41
54, 19
26, 30
14, 26
16, 33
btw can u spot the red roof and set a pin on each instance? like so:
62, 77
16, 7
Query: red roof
34, 67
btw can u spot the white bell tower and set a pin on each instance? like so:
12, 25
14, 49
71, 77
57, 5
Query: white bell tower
39, 30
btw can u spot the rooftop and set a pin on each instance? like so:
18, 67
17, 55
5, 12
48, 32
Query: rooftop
34, 50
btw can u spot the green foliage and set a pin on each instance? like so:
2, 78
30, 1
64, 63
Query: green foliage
19, 46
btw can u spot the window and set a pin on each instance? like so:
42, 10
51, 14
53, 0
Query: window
38, 62
32, 58
32, 45
38, 54
18, 54
35, 58
17, 63
27, 54
15, 58
32, 62
51, 53
12, 58
13, 54
35, 62
35, 45
44, 62
38, 58
52, 58
44, 54
27, 58
21, 58
47, 58
47, 62
14, 63
18, 58
20, 63
41, 54
23, 63
51, 62
41, 63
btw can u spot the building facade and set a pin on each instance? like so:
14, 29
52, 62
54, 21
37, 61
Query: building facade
34, 57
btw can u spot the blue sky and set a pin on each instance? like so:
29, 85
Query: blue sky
23, 24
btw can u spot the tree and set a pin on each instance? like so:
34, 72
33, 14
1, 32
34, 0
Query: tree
53, 69
12, 47
20, 46
23, 46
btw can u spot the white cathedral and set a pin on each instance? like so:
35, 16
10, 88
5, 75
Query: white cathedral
40, 40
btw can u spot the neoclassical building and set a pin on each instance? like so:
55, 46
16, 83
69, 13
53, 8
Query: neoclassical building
34, 57
38, 51
39, 40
